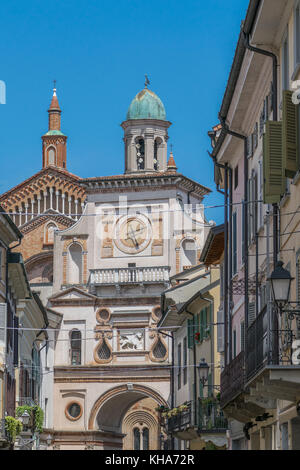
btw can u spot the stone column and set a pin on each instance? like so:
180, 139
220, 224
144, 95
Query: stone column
26, 213
51, 202
39, 204
76, 209
63, 203
57, 205
70, 206
32, 208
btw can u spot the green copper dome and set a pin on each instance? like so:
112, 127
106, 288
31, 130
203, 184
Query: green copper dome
146, 105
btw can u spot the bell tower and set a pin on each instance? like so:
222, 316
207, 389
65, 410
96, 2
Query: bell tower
146, 134
54, 141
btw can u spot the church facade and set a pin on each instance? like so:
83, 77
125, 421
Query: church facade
110, 245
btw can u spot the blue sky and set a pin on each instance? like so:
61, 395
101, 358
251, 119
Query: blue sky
98, 51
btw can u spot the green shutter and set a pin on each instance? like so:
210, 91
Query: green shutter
274, 180
289, 135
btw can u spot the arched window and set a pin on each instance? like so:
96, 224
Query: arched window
145, 439
49, 233
157, 152
140, 153
75, 341
51, 156
75, 264
136, 439
188, 253
155, 161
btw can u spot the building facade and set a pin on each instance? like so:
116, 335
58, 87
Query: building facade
106, 366
260, 381
189, 311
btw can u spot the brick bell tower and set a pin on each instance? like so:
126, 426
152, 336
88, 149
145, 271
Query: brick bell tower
54, 141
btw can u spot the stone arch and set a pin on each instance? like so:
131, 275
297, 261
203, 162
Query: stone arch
115, 399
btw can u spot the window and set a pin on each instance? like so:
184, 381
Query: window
236, 177
49, 233
140, 438
75, 340
145, 439
185, 360
285, 63
188, 253
136, 439
155, 160
179, 366
140, 154
234, 343
73, 411
51, 156
75, 264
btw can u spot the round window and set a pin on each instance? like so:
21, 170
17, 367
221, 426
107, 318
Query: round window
74, 411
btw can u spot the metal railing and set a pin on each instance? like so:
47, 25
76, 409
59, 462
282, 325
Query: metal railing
129, 275
209, 418
232, 379
181, 420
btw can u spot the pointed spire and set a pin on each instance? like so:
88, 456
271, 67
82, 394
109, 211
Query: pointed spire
171, 163
54, 103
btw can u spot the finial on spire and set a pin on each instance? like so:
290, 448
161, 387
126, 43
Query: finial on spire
54, 87
147, 81
171, 165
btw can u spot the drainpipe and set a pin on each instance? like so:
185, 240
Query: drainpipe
275, 118
230, 266
8, 250
172, 377
225, 283
275, 206
195, 375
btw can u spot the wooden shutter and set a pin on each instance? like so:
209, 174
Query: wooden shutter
251, 313
290, 138
3, 315
220, 331
190, 333
274, 181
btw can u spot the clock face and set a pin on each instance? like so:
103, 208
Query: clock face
133, 234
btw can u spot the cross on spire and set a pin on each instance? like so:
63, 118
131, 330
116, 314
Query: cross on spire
147, 81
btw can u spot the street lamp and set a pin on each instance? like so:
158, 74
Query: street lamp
281, 284
25, 418
203, 369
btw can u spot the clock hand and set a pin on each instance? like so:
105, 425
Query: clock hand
135, 240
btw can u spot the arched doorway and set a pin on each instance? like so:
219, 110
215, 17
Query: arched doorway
129, 410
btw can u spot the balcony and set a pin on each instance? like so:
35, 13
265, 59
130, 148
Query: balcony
270, 369
208, 420
232, 379
145, 275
